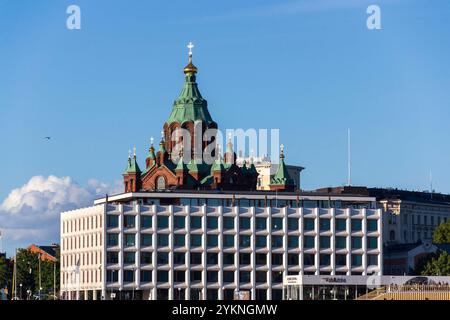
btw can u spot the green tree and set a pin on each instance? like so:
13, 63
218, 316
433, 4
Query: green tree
28, 273
442, 233
5, 273
439, 265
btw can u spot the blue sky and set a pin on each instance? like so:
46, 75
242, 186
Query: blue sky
310, 68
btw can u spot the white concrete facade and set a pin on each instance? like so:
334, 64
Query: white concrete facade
208, 252
82, 253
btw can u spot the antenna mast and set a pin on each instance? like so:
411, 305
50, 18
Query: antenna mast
349, 164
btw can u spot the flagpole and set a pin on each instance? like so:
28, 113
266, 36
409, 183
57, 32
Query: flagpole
39, 257
15, 276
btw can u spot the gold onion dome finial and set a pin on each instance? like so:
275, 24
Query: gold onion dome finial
190, 68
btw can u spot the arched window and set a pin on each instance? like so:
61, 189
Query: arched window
160, 183
392, 235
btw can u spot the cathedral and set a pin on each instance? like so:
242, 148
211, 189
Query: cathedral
169, 168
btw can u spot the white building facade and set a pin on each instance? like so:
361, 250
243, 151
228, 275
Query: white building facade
135, 250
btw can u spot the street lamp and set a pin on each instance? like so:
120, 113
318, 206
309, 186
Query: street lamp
179, 293
20, 291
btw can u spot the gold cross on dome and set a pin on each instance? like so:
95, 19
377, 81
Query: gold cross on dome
190, 46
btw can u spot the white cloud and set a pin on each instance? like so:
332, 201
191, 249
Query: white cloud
30, 214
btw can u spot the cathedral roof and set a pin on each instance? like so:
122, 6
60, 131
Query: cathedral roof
282, 176
190, 105
132, 166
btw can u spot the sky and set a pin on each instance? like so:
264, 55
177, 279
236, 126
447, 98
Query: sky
310, 68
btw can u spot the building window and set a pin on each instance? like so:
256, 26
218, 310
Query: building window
277, 259
146, 276
112, 275
112, 239
162, 276
128, 275
356, 260
277, 224
261, 241
179, 276
163, 240
146, 222
324, 242
261, 276
261, 294
228, 241
196, 258
146, 257
293, 259
160, 183
341, 225
130, 239
277, 241
392, 235
372, 242
356, 225
112, 221
324, 224
292, 224
356, 242
179, 258
212, 258
196, 240
196, 276
244, 241
261, 223
324, 259
146, 240
341, 242
228, 223
129, 257
308, 259
277, 277
212, 240
292, 242
261, 259
179, 240
179, 222
244, 276
372, 225
163, 258
228, 258
196, 223
129, 221
308, 224
372, 260
228, 276
112, 257
163, 222
341, 260
244, 223
308, 242
212, 222
212, 276
244, 259
211, 294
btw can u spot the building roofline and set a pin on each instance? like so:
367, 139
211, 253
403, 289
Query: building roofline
261, 194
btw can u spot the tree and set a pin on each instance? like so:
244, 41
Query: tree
28, 273
5, 273
442, 233
438, 266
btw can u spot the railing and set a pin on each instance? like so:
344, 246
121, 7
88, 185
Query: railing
409, 292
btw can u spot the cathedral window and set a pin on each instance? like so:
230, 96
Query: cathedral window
160, 183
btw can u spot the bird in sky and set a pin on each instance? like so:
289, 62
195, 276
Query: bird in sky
47, 138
